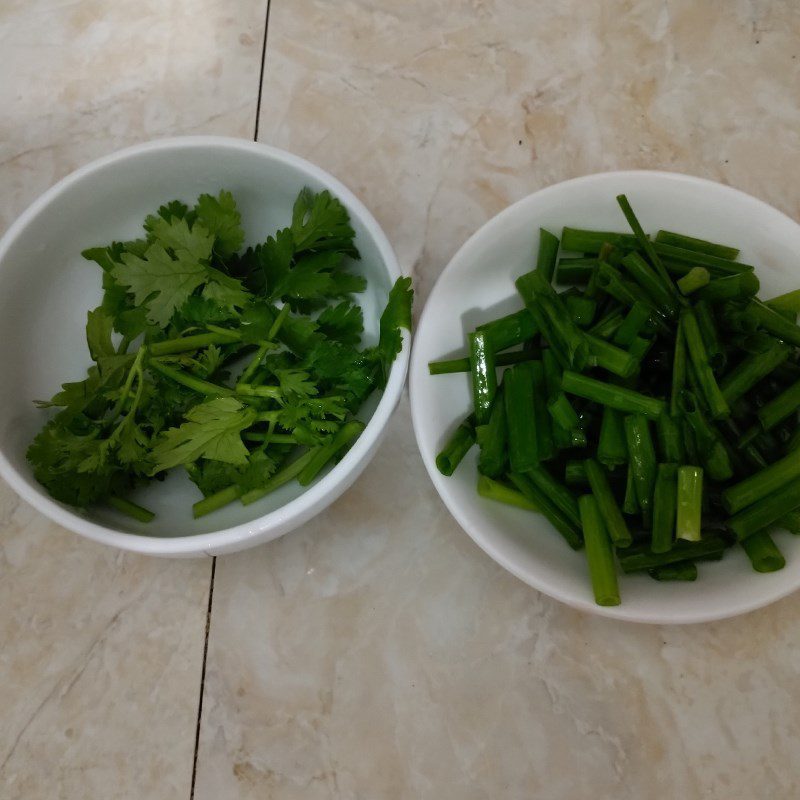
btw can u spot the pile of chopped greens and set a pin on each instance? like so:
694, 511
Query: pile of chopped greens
244, 367
651, 410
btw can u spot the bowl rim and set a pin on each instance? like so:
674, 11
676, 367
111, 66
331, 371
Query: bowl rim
418, 372
318, 495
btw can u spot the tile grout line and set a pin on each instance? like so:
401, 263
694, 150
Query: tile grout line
214, 558
203, 677
261, 74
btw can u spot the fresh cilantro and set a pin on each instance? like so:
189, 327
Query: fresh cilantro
213, 431
220, 216
343, 322
396, 315
159, 281
99, 324
184, 313
321, 222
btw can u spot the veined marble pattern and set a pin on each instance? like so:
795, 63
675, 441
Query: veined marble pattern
377, 653
101, 652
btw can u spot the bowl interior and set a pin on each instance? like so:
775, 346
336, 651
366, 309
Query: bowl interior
47, 288
478, 285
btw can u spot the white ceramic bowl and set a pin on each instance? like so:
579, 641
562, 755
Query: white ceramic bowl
478, 285
46, 288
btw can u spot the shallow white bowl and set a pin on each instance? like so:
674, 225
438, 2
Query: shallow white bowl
46, 288
478, 285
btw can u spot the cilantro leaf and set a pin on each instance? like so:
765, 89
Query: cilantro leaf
213, 430
295, 384
199, 310
160, 282
396, 315
321, 222
225, 291
57, 454
220, 216
344, 322
176, 235
133, 443
98, 333
169, 211
211, 476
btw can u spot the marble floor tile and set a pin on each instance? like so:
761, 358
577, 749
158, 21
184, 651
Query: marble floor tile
100, 661
101, 652
377, 653
439, 113
82, 78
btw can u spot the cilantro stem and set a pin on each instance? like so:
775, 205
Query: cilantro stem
247, 389
279, 320
231, 334
190, 381
283, 476
136, 369
255, 362
327, 452
270, 438
130, 509
196, 342
216, 501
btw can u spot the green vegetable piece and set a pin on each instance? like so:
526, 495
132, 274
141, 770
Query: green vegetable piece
130, 509
499, 492
690, 503
665, 507
682, 571
463, 365
493, 440
617, 397
696, 278
695, 258
484, 375
548, 254
764, 512
457, 446
756, 487
559, 520
697, 245
731, 287
599, 553
612, 449
635, 320
510, 330
698, 356
753, 369
541, 416
578, 240
523, 446
638, 559
556, 492
575, 474
670, 439
614, 522
780, 407
642, 457
763, 553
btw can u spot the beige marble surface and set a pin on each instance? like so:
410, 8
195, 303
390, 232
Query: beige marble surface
377, 653
101, 652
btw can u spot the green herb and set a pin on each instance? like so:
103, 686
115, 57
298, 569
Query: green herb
236, 366
659, 359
